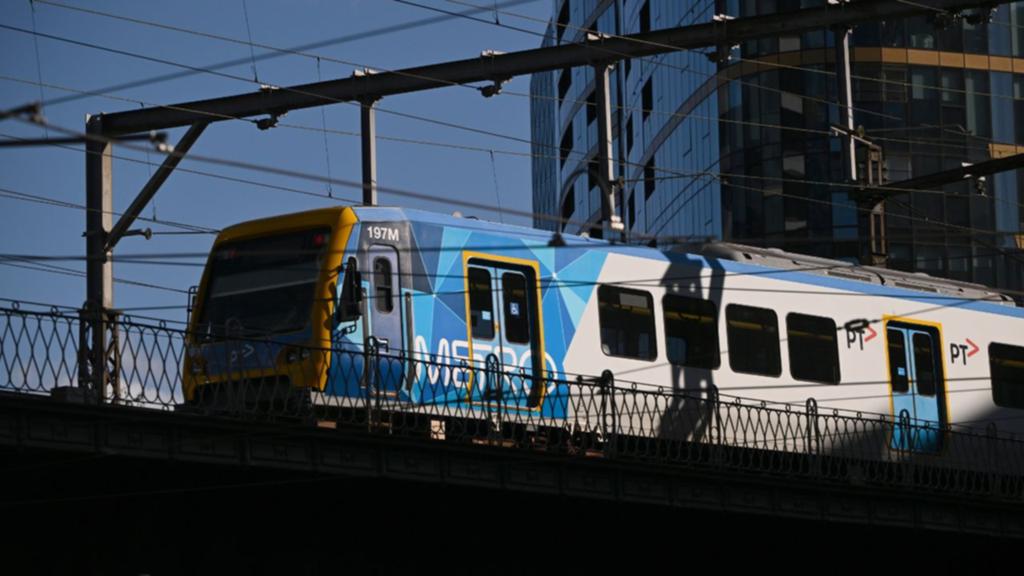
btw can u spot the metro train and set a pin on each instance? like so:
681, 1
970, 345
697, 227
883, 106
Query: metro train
436, 292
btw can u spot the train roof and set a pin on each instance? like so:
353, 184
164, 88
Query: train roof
797, 267
918, 281
768, 257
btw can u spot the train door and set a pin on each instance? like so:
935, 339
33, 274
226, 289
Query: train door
504, 332
385, 312
918, 387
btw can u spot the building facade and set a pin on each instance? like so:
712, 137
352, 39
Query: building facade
734, 142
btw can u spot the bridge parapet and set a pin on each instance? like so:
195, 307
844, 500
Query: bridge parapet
249, 378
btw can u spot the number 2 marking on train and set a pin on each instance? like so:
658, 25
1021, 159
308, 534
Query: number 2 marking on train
382, 233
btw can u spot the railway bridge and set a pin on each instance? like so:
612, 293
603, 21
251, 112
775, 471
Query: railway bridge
134, 477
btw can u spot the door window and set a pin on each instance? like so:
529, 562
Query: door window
517, 312
481, 304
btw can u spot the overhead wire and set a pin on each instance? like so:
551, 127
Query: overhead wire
38, 267
713, 274
452, 14
39, 63
656, 62
46, 200
673, 174
223, 38
741, 176
401, 114
401, 72
269, 169
406, 193
373, 33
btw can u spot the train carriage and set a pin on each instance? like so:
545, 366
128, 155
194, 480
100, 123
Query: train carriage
416, 311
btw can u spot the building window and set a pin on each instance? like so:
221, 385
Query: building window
649, 181
631, 206
627, 323
566, 147
645, 17
481, 304
591, 107
568, 207
564, 82
1007, 365
813, 350
753, 340
691, 331
563, 20
647, 99
629, 135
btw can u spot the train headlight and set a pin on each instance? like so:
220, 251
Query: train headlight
292, 355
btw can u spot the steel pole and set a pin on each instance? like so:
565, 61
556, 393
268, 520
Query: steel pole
99, 293
610, 221
368, 128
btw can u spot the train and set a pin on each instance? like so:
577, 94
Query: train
425, 311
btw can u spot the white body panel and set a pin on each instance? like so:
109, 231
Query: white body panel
864, 385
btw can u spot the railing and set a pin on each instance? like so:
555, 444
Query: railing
460, 401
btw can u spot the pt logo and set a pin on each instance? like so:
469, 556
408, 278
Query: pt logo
855, 333
961, 352
246, 351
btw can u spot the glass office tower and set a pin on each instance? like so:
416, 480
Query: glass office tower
734, 142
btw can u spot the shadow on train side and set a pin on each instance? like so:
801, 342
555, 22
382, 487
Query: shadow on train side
688, 408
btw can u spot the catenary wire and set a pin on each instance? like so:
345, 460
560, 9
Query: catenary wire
378, 108
374, 33
422, 196
48, 201
420, 118
314, 56
359, 186
78, 273
855, 108
673, 174
465, 15
666, 64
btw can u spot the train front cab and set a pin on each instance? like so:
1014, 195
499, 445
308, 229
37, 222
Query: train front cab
259, 336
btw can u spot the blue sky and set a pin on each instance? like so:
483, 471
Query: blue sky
450, 175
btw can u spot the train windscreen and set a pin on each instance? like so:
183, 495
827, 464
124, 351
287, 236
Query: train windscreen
262, 286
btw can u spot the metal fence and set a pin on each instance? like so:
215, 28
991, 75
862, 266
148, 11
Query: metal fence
459, 401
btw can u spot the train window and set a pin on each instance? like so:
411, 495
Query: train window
383, 290
898, 372
924, 364
1007, 365
753, 340
691, 331
517, 317
481, 303
627, 323
813, 350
